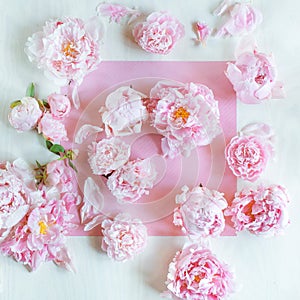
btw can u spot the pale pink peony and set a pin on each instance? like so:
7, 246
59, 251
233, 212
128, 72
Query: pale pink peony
107, 155
60, 105
116, 12
200, 212
254, 77
247, 155
130, 182
123, 237
52, 129
124, 112
187, 115
196, 274
39, 237
25, 115
244, 18
67, 48
159, 33
261, 210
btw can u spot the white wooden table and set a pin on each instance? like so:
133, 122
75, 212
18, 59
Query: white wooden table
265, 268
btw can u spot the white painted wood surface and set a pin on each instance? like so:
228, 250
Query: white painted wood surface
265, 268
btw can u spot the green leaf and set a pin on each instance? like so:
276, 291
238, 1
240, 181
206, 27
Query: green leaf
38, 164
56, 148
30, 92
15, 103
49, 144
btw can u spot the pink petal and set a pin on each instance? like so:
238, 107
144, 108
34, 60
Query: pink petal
85, 131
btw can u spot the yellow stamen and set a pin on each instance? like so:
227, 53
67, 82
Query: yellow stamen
197, 278
69, 50
43, 227
182, 113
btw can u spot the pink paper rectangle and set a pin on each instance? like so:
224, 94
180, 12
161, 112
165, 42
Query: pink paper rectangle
206, 164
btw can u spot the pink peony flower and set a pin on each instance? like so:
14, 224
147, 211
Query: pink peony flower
261, 210
187, 115
159, 33
67, 48
52, 129
244, 18
25, 115
123, 237
107, 155
203, 32
130, 182
247, 155
60, 105
196, 274
200, 212
254, 77
124, 112
116, 12
39, 237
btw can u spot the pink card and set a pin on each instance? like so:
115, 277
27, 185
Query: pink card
205, 165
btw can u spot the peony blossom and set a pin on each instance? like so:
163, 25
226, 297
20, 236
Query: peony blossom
60, 105
247, 155
244, 18
196, 274
187, 115
25, 115
123, 237
130, 182
200, 212
116, 12
107, 155
52, 129
159, 33
124, 112
261, 210
66, 49
39, 237
254, 77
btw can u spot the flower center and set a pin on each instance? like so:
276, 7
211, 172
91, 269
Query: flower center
197, 278
182, 113
43, 227
69, 50
260, 78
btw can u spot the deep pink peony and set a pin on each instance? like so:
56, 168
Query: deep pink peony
247, 155
200, 212
254, 77
123, 237
244, 18
130, 182
159, 33
124, 112
67, 48
52, 129
196, 274
187, 115
60, 105
25, 115
108, 155
261, 210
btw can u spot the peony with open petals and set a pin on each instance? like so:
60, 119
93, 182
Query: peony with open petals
197, 274
107, 155
159, 33
200, 212
261, 210
123, 237
187, 115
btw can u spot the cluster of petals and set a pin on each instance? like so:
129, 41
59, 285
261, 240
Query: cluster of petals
158, 33
187, 115
133, 180
200, 212
108, 155
197, 274
124, 112
247, 155
261, 210
123, 237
